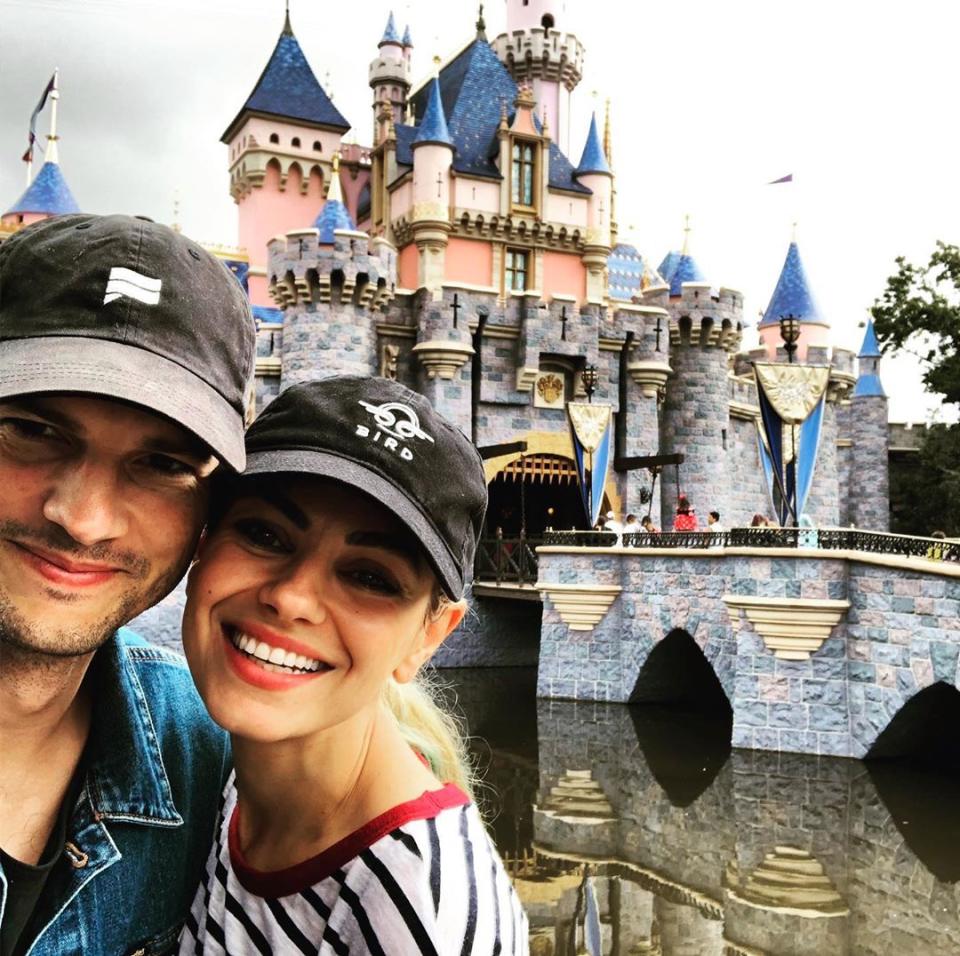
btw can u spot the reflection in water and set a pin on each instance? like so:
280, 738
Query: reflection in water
636, 830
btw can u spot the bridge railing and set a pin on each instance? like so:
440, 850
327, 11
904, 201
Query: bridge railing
513, 560
508, 560
871, 542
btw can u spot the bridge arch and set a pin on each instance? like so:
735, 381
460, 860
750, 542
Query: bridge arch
677, 672
923, 730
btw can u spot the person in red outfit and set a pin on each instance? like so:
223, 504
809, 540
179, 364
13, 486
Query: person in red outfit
686, 519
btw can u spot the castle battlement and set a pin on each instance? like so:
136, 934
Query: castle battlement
302, 270
539, 53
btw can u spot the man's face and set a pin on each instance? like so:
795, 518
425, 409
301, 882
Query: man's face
101, 505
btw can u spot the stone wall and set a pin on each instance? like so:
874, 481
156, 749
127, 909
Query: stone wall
899, 636
870, 498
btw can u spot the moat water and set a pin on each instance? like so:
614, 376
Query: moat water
636, 830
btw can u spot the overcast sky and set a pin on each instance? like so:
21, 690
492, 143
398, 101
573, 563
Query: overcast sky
710, 100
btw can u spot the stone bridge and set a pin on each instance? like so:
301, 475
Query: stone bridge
769, 853
816, 651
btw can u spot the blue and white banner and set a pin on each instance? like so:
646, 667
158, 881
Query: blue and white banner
791, 399
591, 432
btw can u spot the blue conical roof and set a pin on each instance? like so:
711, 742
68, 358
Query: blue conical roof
433, 126
407, 39
792, 295
287, 88
390, 34
669, 265
870, 347
869, 386
686, 270
48, 194
593, 159
333, 216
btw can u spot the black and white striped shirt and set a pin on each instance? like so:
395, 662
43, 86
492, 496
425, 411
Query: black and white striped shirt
423, 878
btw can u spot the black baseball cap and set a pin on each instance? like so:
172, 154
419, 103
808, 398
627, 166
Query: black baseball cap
383, 439
122, 307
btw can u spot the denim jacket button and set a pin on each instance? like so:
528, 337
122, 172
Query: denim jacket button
78, 859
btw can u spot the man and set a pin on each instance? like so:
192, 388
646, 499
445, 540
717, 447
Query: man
647, 523
713, 522
125, 352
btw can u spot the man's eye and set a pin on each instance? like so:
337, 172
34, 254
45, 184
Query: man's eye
28, 429
260, 535
165, 465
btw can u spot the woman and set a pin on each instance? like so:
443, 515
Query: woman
332, 571
685, 519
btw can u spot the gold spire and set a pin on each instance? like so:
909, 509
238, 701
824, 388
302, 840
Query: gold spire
607, 139
335, 193
686, 234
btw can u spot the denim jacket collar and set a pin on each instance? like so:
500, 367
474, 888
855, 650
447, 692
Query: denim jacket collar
127, 778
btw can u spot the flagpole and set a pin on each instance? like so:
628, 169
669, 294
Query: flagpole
51, 155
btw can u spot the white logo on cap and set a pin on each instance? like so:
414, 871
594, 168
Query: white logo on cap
133, 285
398, 422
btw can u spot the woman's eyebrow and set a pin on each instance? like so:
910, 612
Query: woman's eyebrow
399, 544
284, 505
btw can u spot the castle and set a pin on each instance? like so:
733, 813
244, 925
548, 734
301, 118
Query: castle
472, 253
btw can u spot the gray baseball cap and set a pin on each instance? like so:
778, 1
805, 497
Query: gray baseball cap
389, 442
121, 307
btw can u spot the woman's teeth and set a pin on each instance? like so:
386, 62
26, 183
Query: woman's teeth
275, 658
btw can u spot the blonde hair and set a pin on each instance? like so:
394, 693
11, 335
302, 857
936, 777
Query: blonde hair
431, 730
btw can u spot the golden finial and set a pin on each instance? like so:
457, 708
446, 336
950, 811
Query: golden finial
175, 225
336, 161
607, 139
793, 232
686, 234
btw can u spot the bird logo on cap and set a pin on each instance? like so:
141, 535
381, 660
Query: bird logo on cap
397, 419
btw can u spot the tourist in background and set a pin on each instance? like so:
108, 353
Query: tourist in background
647, 522
685, 519
713, 523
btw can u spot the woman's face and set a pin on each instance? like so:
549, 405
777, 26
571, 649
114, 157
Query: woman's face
307, 598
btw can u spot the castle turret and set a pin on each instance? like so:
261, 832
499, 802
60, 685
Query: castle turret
594, 173
869, 505
706, 327
792, 296
282, 144
536, 50
48, 194
332, 284
390, 80
432, 150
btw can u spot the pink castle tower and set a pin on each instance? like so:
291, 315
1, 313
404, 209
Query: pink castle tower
536, 50
282, 144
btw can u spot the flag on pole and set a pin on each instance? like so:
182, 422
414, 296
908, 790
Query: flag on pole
32, 138
783, 179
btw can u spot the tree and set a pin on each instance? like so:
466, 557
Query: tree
919, 313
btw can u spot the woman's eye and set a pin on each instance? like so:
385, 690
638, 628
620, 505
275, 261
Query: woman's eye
373, 580
260, 535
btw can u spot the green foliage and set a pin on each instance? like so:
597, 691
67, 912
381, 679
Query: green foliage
920, 313
925, 488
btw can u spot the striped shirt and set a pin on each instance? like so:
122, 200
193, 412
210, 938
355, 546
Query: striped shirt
423, 878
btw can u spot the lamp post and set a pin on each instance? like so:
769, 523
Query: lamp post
790, 333
591, 379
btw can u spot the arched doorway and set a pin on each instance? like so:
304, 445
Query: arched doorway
536, 492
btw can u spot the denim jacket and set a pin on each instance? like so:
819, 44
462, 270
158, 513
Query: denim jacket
143, 823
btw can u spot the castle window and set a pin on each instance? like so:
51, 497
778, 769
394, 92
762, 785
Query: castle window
517, 270
295, 142
522, 173
274, 138
317, 146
